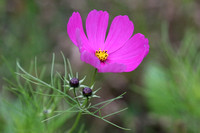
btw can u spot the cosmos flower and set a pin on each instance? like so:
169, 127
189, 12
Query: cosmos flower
119, 51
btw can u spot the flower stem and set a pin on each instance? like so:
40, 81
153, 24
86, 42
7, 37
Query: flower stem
76, 122
76, 97
84, 105
93, 77
78, 118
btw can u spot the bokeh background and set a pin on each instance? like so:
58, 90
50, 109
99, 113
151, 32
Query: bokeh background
163, 93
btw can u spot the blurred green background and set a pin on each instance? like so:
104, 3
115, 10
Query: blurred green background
163, 93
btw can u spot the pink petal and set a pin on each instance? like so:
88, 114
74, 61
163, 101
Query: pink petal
147, 49
74, 23
76, 32
90, 58
96, 26
132, 53
112, 67
82, 43
120, 31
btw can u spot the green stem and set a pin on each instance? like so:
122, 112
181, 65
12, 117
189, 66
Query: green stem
85, 103
76, 122
93, 77
78, 118
76, 97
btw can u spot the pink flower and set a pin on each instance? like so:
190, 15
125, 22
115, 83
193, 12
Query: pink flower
118, 52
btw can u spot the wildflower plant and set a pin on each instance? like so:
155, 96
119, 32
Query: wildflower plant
60, 96
67, 94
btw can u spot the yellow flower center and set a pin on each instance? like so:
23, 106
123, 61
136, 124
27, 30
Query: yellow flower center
102, 55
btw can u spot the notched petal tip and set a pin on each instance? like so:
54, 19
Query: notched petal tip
125, 19
97, 11
74, 22
146, 43
75, 16
75, 13
120, 31
132, 53
96, 27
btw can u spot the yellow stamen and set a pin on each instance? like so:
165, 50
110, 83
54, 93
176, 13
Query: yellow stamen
102, 55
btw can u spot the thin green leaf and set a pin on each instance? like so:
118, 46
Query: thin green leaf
52, 117
115, 113
107, 121
47, 94
57, 115
65, 64
36, 71
113, 99
42, 72
70, 68
52, 69
44, 83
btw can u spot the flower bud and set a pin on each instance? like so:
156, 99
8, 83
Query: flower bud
87, 92
74, 82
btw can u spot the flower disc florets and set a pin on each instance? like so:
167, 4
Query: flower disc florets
101, 54
74, 82
87, 92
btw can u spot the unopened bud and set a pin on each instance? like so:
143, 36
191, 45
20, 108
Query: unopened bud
87, 92
74, 82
